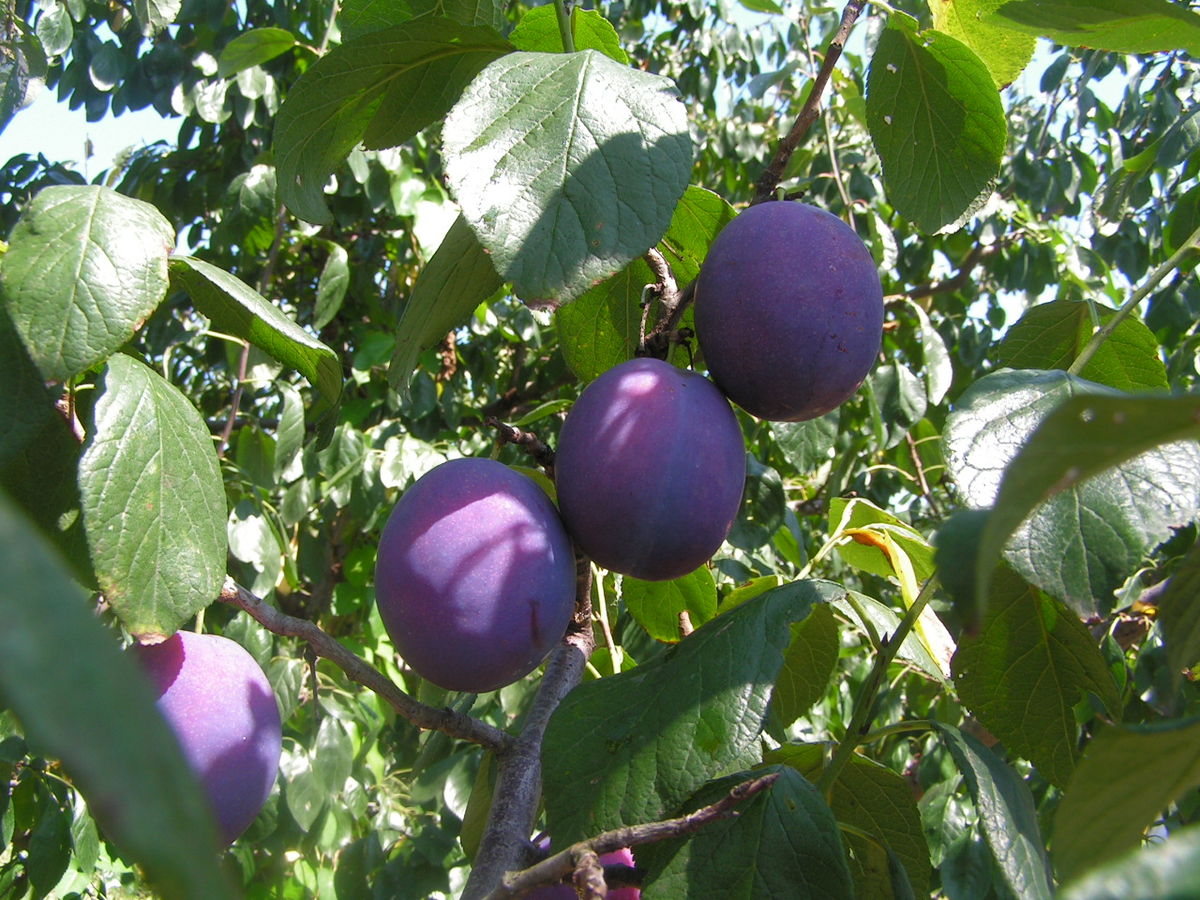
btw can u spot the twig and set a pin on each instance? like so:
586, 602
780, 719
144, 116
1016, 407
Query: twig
920, 467
668, 290
1152, 281
561, 864
530, 442
830, 147
518, 789
811, 110
457, 725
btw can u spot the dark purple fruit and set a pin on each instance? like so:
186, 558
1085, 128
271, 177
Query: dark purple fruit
650, 468
475, 575
223, 711
789, 311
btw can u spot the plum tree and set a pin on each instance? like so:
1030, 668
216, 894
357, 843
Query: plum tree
475, 575
789, 311
222, 709
650, 467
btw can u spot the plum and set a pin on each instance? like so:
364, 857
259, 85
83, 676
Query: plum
622, 857
475, 575
650, 467
789, 311
223, 711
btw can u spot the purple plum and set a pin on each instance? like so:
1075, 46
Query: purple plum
223, 711
650, 468
789, 311
475, 575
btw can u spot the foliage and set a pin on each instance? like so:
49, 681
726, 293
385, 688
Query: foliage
950, 644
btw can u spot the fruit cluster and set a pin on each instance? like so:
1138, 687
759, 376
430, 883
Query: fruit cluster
475, 577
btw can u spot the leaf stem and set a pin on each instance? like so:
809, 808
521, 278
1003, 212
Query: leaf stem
562, 10
1152, 281
864, 704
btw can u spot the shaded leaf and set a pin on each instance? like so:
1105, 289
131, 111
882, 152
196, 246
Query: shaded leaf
1003, 51
379, 89
784, 842
155, 15
134, 777
1007, 816
1110, 801
884, 620
153, 501
253, 48
25, 404
567, 166
808, 664
1126, 26
1179, 613
937, 123
1041, 442
331, 286
1169, 870
236, 308
358, 17
634, 746
84, 268
1032, 661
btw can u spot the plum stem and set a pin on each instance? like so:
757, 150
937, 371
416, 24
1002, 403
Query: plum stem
456, 724
555, 868
562, 11
811, 110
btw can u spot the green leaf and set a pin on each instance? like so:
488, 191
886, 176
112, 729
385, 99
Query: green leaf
155, 15
783, 842
633, 747
1051, 336
451, 285
25, 404
567, 166
901, 400
656, 605
237, 309
808, 664
1169, 870
1023, 673
55, 30
538, 32
153, 501
1124, 26
807, 444
874, 799
358, 17
1183, 221
1041, 442
253, 48
872, 614
1003, 51
1179, 614
304, 787
379, 89
937, 123
602, 328
85, 266
1111, 799
1007, 816
331, 286
857, 515
289, 435
134, 777
938, 370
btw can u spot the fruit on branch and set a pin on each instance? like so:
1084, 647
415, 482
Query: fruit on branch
223, 711
475, 575
789, 311
650, 467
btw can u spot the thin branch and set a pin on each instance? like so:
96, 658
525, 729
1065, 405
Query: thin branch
1152, 281
563, 863
530, 442
920, 467
811, 110
518, 791
668, 290
457, 725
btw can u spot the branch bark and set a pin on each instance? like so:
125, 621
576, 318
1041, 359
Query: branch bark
455, 724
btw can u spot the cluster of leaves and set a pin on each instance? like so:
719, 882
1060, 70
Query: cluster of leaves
411, 186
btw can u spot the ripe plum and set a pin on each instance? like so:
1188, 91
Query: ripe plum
650, 468
475, 575
789, 311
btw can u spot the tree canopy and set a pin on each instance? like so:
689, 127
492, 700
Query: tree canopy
949, 645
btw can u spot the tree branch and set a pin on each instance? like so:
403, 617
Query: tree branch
811, 110
518, 791
532, 444
455, 724
556, 867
